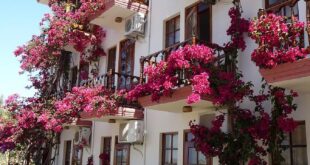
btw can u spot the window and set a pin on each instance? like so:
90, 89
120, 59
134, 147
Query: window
191, 155
122, 153
67, 149
84, 72
169, 148
77, 155
106, 151
64, 65
286, 8
295, 144
111, 59
172, 31
126, 63
111, 66
73, 77
198, 22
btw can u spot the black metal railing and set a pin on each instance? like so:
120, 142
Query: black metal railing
112, 80
183, 75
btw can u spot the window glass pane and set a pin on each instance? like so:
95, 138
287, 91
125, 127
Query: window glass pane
201, 159
175, 141
271, 2
177, 36
168, 141
286, 156
295, 9
119, 157
190, 137
170, 26
202, 7
286, 140
177, 23
192, 156
175, 156
288, 11
170, 39
191, 22
300, 156
125, 155
167, 156
299, 135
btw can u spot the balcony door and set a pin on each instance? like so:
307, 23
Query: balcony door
67, 153
111, 66
198, 22
126, 63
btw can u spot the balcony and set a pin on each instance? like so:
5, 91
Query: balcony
45, 2
79, 123
117, 10
177, 102
123, 113
126, 110
295, 76
112, 80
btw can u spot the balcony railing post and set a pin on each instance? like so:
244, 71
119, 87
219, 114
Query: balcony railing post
194, 40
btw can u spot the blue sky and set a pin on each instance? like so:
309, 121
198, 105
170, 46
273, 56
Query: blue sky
19, 20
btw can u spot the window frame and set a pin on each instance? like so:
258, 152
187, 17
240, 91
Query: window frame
291, 146
186, 145
172, 21
118, 146
163, 147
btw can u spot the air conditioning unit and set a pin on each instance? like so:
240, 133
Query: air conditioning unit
82, 136
135, 25
131, 132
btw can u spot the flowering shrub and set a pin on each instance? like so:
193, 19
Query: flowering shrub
279, 41
105, 158
84, 99
238, 26
255, 130
253, 133
36, 122
163, 77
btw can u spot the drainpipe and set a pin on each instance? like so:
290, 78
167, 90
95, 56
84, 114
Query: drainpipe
149, 52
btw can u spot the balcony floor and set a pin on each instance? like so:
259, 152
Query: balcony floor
117, 8
295, 76
176, 102
123, 114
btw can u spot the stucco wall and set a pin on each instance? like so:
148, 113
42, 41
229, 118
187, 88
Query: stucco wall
158, 122
68, 134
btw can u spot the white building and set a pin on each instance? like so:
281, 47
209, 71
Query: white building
166, 139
